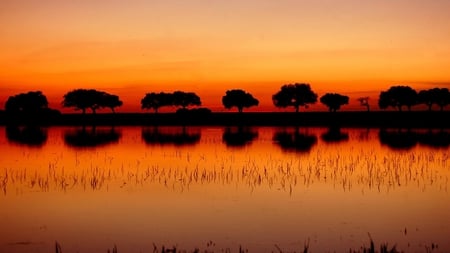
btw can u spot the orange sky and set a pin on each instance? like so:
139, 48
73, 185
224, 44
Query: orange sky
138, 46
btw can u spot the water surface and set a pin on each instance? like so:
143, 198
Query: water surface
92, 188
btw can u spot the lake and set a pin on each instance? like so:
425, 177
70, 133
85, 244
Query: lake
219, 188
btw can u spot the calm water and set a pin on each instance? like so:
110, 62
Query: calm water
90, 189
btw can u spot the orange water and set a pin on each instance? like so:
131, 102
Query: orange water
134, 187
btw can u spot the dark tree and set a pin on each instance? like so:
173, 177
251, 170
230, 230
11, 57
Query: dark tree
110, 101
397, 97
438, 96
156, 100
240, 99
364, 101
427, 97
82, 99
443, 98
185, 99
31, 102
296, 95
334, 101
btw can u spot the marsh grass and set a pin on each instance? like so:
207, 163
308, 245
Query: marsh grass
372, 248
366, 170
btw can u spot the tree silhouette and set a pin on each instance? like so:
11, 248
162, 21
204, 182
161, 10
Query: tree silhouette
156, 100
82, 99
438, 96
239, 99
31, 102
296, 95
185, 99
397, 97
334, 101
364, 101
427, 97
110, 101
443, 98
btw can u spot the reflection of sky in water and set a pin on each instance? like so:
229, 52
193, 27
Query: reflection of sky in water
282, 186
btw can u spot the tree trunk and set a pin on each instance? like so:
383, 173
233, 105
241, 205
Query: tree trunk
240, 109
296, 108
429, 107
368, 107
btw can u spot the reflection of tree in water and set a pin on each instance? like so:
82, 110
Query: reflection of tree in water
296, 141
156, 137
398, 139
334, 134
407, 139
91, 138
29, 135
439, 139
238, 137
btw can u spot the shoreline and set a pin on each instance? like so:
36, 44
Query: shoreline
376, 119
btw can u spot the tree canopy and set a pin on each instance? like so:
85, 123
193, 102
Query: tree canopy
239, 99
397, 97
185, 99
438, 96
33, 101
82, 99
296, 95
110, 101
334, 101
156, 100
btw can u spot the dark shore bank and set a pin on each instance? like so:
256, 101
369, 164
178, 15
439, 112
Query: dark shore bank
405, 119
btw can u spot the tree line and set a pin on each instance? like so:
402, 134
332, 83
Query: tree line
295, 95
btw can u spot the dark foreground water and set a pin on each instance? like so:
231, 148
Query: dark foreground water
220, 188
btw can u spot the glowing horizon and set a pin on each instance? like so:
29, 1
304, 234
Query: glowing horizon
351, 47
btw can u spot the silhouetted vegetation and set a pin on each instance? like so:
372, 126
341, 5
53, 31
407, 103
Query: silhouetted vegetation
83, 99
110, 101
334, 134
239, 136
239, 99
397, 97
334, 101
296, 95
435, 96
83, 138
296, 141
185, 99
28, 108
156, 100
31, 102
29, 135
364, 101
178, 98
153, 136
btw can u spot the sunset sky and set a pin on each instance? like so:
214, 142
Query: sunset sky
129, 48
